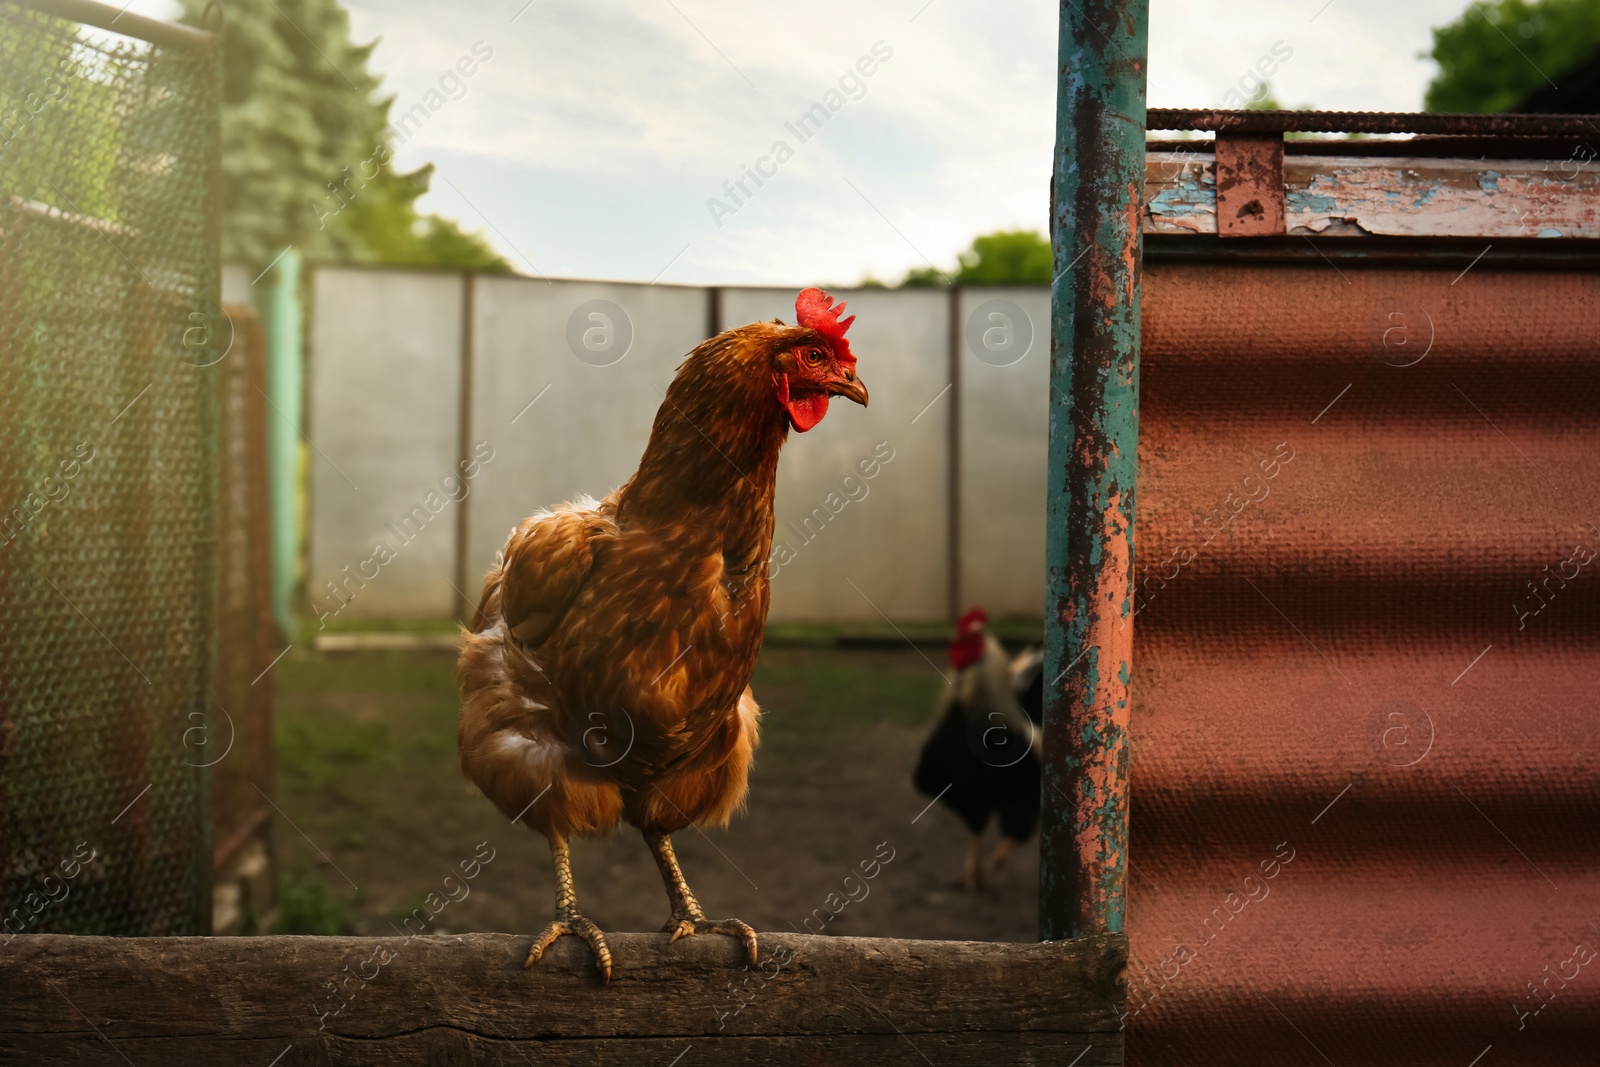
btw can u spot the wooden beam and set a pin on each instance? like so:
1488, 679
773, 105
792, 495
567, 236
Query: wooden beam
466, 998
1351, 196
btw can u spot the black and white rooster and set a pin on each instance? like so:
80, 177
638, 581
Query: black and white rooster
983, 757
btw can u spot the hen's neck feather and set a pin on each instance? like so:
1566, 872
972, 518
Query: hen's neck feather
714, 447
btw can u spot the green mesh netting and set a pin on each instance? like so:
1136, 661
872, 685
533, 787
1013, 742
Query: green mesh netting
108, 334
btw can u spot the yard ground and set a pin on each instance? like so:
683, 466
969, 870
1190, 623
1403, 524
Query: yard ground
367, 771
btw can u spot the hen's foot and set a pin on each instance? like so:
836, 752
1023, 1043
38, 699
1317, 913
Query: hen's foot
573, 924
687, 919
688, 925
972, 870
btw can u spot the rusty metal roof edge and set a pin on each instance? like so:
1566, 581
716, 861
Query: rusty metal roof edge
1407, 146
1425, 251
1453, 123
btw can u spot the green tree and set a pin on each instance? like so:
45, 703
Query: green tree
1009, 257
306, 156
1496, 53
924, 278
1006, 257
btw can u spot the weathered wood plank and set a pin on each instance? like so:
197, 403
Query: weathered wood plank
467, 999
454, 1046
1350, 196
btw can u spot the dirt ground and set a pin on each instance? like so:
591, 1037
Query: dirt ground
367, 771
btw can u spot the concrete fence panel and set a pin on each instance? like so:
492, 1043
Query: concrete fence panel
383, 421
1005, 397
875, 520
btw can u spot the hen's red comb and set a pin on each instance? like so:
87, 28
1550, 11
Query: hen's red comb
815, 310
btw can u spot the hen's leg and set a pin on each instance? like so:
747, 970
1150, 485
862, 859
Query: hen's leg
687, 918
1002, 852
568, 919
972, 870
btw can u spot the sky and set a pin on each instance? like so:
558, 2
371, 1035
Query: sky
606, 138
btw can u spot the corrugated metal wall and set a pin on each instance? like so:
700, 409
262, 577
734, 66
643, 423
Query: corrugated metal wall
1365, 800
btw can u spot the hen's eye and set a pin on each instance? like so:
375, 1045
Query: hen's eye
813, 357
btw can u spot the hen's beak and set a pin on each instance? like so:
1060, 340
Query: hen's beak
850, 386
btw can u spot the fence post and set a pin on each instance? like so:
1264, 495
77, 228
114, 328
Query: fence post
1096, 198
462, 580
283, 322
953, 339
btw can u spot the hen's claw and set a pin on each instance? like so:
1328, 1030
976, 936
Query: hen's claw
687, 926
577, 926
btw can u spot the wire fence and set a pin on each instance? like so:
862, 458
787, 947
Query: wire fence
109, 340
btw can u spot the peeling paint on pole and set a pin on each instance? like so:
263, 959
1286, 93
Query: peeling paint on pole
1095, 208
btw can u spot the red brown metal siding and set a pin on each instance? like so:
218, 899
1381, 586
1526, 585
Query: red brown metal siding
1366, 814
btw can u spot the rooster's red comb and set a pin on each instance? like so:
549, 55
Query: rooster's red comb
815, 310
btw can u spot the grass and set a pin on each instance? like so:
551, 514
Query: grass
395, 715
350, 726
307, 906
816, 692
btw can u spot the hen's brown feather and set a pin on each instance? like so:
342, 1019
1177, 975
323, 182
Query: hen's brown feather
545, 564
606, 674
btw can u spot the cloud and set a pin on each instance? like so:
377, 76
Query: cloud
591, 141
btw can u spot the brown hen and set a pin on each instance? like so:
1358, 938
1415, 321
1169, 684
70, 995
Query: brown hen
606, 676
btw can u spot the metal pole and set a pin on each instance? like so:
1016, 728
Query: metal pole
281, 315
953, 477
1094, 431
120, 20
464, 601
